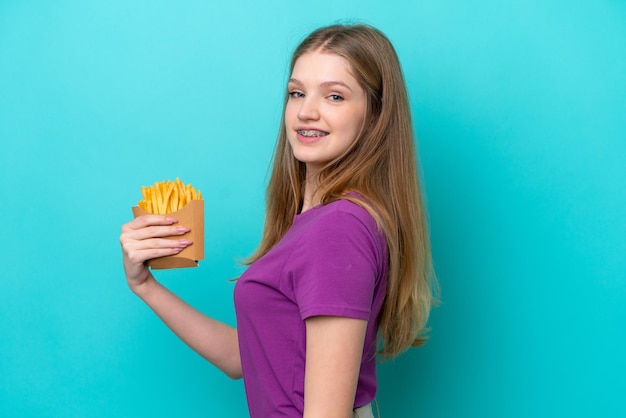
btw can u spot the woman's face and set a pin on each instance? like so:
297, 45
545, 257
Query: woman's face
325, 109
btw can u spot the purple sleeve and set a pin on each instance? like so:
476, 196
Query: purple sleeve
337, 267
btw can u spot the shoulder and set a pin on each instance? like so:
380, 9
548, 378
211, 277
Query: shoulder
344, 207
345, 217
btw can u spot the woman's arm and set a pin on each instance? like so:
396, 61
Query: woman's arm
334, 346
216, 341
142, 239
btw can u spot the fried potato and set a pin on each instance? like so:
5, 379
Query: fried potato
167, 196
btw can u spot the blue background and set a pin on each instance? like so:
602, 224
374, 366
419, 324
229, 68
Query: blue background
520, 113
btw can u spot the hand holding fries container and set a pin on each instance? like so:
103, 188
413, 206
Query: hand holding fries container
192, 216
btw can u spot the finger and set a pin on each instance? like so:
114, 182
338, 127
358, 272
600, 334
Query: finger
157, 232
158, 243
141, 256
148, 220
140, 251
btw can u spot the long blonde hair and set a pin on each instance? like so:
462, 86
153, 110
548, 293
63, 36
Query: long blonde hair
381, 167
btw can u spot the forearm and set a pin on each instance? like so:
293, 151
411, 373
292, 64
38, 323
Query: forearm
216, 341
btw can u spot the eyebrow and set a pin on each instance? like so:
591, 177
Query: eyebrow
323, 84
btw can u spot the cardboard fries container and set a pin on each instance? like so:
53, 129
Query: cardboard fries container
191, 216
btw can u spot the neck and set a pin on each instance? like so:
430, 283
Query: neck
311, 185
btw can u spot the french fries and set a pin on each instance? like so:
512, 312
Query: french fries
167, 196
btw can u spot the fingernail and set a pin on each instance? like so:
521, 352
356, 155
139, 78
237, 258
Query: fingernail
171, 220
184, 242
182, 229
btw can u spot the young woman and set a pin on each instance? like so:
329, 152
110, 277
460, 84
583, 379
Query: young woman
343, 270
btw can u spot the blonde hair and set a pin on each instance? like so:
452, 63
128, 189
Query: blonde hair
381, 168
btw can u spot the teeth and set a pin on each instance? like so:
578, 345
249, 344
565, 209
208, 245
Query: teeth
311, 133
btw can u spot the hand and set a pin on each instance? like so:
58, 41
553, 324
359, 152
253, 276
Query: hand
142, 239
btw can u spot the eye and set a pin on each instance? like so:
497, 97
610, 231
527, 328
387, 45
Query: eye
295, 94
335, 97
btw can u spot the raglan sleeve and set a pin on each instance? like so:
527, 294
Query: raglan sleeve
339, 267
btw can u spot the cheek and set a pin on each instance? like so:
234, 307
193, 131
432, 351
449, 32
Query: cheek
289, 121
357, 122
290, 112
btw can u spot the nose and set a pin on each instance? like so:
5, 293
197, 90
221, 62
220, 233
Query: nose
309, 109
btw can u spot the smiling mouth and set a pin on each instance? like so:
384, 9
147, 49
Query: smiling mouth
308, 133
